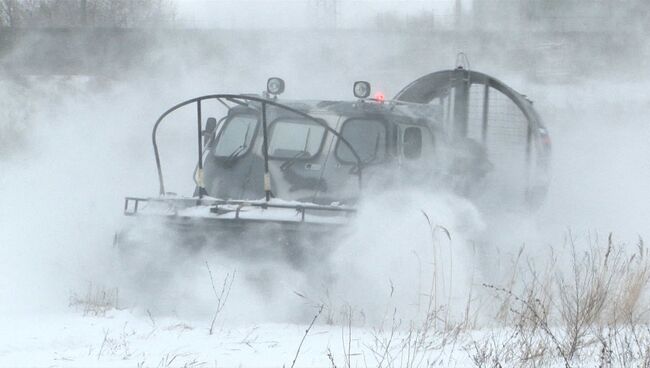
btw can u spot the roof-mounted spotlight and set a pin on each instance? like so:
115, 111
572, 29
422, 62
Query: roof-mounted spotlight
361, 89
275, 86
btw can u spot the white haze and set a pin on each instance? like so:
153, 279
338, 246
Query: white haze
85, 146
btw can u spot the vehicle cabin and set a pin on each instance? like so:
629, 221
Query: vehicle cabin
308, 163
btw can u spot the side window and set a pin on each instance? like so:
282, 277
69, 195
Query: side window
367, 137
295, 138
412, 143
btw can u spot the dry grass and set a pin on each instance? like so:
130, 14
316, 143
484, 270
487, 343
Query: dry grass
586, 305
96, 301
221, 295
595, 307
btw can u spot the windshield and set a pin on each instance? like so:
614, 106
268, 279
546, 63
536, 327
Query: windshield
236, 136
295, 138
367, 137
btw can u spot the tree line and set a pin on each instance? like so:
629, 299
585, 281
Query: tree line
86, 13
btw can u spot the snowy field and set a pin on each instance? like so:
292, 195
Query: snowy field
565, 286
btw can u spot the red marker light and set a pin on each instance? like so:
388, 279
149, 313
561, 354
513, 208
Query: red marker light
379, 97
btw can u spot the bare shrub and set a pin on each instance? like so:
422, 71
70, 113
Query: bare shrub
586, 305
606, 287
596, 308
96, 301
222, 295
295, 358
116, 346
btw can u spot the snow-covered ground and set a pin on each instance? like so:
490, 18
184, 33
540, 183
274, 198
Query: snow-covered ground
120, 339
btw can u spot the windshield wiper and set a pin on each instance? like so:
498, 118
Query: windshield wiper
239, 149
287, 164
235, 153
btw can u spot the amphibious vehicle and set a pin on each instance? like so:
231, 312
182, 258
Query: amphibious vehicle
281, 171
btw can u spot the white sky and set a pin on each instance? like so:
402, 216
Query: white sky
237, 14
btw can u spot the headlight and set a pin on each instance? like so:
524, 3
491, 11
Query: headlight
361, 89
275, 86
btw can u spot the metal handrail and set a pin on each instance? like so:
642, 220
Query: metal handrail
132, 210
237, 99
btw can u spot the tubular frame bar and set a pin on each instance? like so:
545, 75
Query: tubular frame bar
265, 153
301, 208
237, 99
